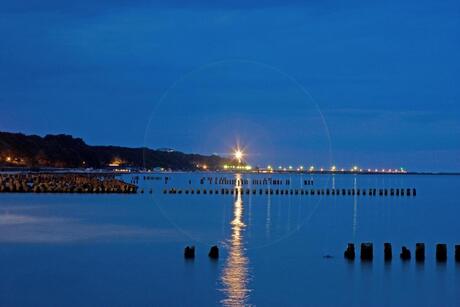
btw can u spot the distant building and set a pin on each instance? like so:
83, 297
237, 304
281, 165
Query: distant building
166, 149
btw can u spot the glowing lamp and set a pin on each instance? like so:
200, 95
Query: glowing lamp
238, 154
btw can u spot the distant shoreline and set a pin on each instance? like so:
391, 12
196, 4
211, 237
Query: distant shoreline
6, 170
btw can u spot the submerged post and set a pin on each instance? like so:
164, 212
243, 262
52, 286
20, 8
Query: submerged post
420, 251
441, 252
367, 251
405, 253
189, 252
387, 251
214, 252
350, 252
457, 253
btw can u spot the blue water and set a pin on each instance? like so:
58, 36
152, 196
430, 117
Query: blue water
125, 250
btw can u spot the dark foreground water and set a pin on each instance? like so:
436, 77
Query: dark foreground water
126, 250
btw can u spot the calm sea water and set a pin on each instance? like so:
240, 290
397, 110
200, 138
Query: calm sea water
126, 250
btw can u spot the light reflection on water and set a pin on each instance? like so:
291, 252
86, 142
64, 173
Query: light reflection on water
235, 275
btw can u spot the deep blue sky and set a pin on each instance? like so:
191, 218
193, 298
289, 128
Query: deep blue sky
385, 76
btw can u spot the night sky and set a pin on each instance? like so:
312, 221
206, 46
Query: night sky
293, 82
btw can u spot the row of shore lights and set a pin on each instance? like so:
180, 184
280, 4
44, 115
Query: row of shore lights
354, 169
238, 154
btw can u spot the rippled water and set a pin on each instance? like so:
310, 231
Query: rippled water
118, 250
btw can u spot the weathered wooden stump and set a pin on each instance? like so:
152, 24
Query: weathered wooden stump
214, 252
419, 251
441, 252
189, 252
367, 251
387, 251
405, 253
350, 252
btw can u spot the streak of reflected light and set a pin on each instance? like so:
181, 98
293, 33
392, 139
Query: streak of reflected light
235, 275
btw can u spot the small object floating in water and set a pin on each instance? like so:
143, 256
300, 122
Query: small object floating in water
419, 251
405, 253
441, 252
327, 256
387, 251
214, 252
189, 252
457, 253
350, 252
367, 251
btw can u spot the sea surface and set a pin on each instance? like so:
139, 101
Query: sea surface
275, 250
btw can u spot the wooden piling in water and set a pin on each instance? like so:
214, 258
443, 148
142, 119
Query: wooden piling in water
350, 252
419, 251
214, 252
367, 251
405, 253
189, 252
441, 252
387, 252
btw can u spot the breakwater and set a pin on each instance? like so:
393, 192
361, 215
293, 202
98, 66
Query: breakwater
395, 192
275, 186
63, 183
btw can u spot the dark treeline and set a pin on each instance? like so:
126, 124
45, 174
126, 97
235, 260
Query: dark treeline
65, 151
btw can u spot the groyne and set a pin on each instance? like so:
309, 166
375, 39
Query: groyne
370, 192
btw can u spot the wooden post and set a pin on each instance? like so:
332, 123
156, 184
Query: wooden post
189, 252
420, 252
387, 251
367, 251
405, 253
350, 252
441, 252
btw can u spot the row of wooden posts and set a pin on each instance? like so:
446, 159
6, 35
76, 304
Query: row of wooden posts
327, 192
246, 181
189, 252
367, 252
